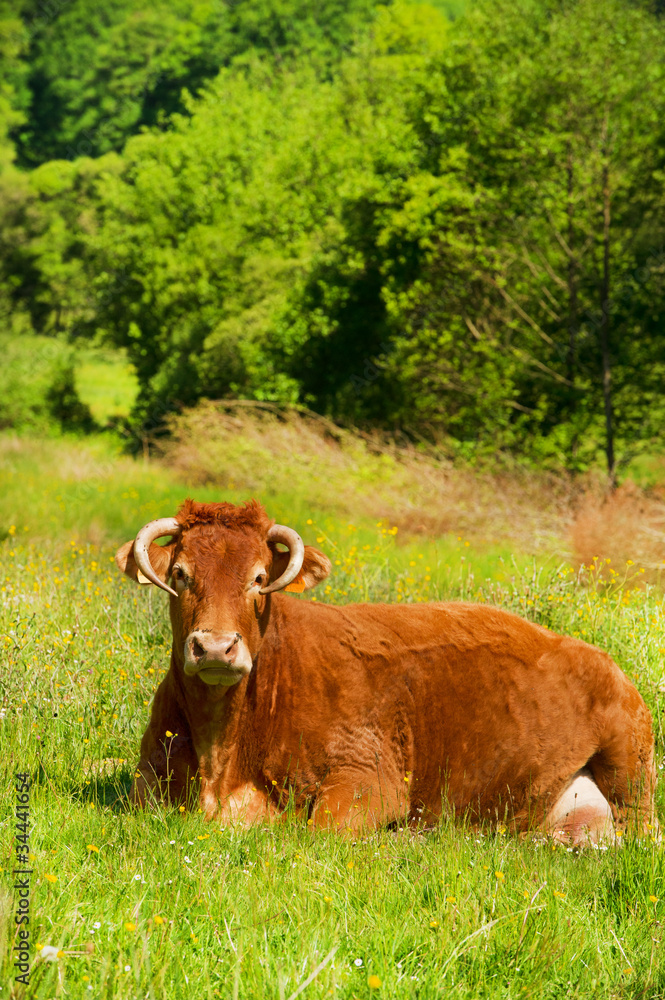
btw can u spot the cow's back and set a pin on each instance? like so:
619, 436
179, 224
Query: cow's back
465, 698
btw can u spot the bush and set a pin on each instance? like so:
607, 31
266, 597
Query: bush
37, 386
64, 404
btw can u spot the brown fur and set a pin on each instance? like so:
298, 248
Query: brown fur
250, 515
369, 714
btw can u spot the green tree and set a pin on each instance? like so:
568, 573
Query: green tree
500, 272
211, 225
450, 227
14, 95
99, 72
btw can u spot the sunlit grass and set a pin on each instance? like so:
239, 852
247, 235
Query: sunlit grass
106, 382
164, 904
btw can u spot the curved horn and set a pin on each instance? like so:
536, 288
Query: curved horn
146, 536
296, 547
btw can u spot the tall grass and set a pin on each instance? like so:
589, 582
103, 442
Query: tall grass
159, 903
258, 446
281, 452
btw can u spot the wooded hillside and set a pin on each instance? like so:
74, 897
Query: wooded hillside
420, 216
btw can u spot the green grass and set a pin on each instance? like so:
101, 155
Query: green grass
646, 470
85, 489
106, 382
155, 904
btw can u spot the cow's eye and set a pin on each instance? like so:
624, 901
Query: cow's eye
260, 580
179, 577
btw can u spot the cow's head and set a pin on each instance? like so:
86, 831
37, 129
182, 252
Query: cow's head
222, 562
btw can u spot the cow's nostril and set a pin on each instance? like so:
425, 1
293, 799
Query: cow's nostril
237, 639
197, 649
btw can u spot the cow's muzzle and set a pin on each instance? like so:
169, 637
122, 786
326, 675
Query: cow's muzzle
217, 657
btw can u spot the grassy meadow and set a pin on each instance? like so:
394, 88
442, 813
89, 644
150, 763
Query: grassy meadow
161, 903
106, 382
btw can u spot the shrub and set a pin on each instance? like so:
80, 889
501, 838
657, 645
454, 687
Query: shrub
37, 387
64, 403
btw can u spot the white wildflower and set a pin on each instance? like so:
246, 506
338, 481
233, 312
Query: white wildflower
49, 953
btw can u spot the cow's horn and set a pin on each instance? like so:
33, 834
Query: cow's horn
296, 547
143, 541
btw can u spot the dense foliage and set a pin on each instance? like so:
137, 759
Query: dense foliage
397, 216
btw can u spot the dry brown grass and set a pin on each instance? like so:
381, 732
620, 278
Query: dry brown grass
270, 450
316, 467
626, 527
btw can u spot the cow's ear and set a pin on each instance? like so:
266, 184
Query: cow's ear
315, 568
160, 560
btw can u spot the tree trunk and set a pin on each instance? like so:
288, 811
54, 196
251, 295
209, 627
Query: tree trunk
605, 320
572, 277
571, 359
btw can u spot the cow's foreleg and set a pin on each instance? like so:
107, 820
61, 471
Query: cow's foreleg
357, 802
168, 766
245, 806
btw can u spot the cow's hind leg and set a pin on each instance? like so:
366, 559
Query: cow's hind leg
581, 815
623, 768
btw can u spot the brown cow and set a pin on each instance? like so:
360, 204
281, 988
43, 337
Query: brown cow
371, 713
